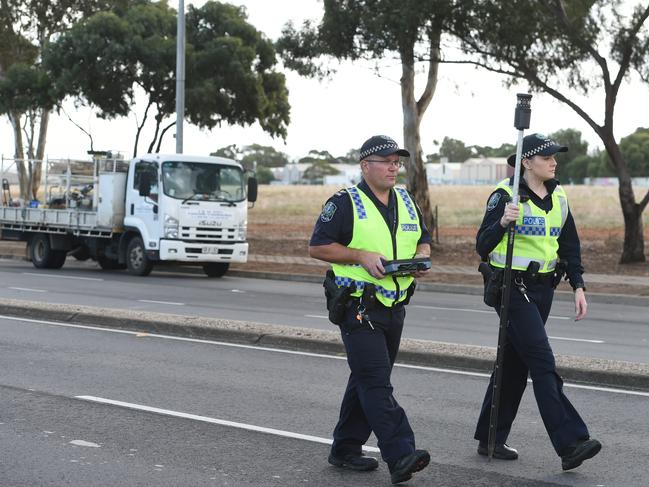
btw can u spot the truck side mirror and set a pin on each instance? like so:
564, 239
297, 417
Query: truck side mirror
145, 183
252, 189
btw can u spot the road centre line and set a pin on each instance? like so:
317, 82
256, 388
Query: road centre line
221, 422
576, 339
296, 352
58, 276
160, 302
28, 289
441, 308
316, 316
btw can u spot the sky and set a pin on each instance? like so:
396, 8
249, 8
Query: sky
338, 114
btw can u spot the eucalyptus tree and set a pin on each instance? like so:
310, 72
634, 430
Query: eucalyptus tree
112, 59
570, 48
380, 30
26, 97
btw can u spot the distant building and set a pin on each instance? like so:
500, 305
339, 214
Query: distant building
350, 174
476, 170
484, 170
443, 172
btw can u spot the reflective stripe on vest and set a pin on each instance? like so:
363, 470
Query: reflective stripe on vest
371, 233
537, 233
360, 285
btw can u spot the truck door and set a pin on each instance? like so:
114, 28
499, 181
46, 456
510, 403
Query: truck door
142, 210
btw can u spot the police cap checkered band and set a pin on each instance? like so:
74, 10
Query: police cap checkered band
381, 145
535, 145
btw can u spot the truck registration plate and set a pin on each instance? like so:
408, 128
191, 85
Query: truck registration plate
210, 250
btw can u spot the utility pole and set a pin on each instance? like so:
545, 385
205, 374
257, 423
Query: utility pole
180, 76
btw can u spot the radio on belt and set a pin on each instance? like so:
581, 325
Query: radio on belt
404, 267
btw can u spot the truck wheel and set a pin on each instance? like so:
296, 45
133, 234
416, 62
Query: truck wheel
137, 262
216, 269
109, 264
42, 255
58, 259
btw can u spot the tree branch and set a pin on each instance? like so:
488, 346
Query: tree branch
628, 51
435, 35
140, 126
643, 203
162, 134
92, 146
560, 13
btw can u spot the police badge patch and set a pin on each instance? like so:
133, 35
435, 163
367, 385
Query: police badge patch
493, 201
328, 212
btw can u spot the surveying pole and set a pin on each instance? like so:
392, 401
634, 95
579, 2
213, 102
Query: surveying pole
522, 116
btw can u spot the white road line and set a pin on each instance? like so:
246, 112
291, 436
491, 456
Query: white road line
160, 302
576, 339
305, 354
316, 316
473, 310
222, 422
59, 276
28, 289
452, 309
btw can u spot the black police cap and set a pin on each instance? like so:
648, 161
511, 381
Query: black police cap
537, 145
381, 145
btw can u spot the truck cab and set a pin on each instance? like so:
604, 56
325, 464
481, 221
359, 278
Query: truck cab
187, 209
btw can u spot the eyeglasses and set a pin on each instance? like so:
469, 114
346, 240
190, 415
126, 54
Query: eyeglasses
397, 163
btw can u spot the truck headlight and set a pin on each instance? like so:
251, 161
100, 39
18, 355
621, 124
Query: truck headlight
242, 230
170, 227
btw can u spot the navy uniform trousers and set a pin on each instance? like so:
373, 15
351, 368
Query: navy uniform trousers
368, 404
527, 349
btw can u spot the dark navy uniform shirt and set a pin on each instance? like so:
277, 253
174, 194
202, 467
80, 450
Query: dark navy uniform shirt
491, 232
336, 222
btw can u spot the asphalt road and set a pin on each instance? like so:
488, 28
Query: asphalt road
60, 425
611, 331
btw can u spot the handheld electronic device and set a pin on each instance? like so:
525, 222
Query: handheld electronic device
404, 267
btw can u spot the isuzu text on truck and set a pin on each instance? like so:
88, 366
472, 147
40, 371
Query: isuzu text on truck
156, 208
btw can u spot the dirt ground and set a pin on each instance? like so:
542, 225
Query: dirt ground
601, 250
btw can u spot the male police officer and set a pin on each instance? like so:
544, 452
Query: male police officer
358, 229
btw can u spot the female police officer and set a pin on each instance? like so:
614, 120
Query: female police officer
545, 234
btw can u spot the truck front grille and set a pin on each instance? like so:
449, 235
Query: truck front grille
208, 234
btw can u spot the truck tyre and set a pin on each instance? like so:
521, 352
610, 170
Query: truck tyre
216, 269
42, 255
58, 259
108, 264
137, 262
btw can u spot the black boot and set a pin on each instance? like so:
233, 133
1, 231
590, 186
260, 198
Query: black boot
581, 451
354, 461
403, 469
501, 452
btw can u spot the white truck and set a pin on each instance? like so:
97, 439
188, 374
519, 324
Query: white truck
154, 209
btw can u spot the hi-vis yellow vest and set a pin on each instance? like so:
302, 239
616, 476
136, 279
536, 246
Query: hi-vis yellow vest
371, 233
537, 233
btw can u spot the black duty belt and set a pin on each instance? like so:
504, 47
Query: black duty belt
539, 278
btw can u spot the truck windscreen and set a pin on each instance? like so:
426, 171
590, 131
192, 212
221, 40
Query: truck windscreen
202, 181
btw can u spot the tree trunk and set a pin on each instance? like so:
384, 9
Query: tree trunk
413, 112
633, 247
417, 183
40, 152
19, 155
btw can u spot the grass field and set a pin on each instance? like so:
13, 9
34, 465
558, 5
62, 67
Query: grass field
459, 206
594, 207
